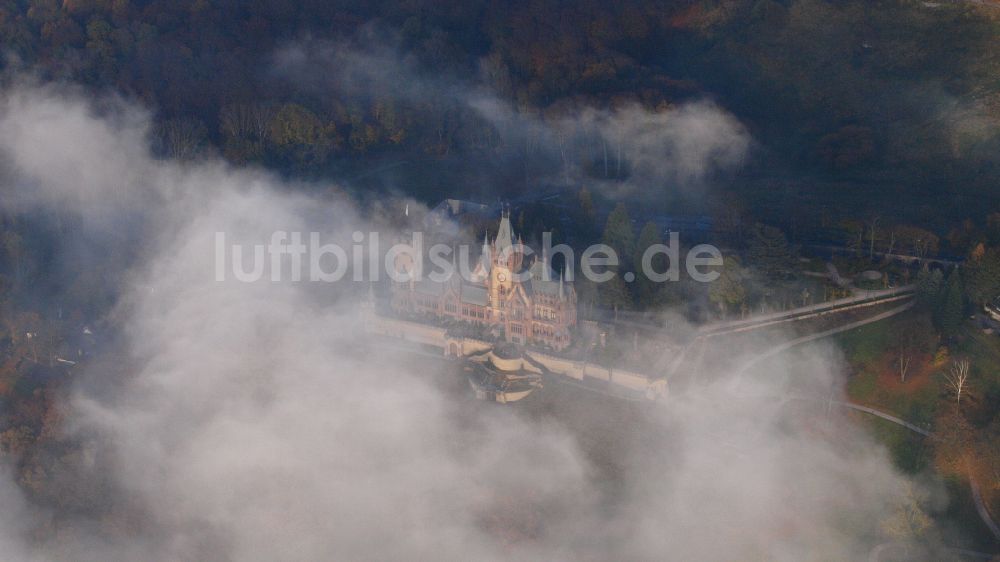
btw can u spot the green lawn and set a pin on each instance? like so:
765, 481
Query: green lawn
909, 450
866, 344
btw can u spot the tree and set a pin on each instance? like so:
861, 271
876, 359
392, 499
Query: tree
586, 203
728, 289
982, 275
100, 48
493, 70
13, 246
848, 147
917, 241
294, 124
614, 293
300, 135
929, 285
183, 139
957, 378
988, 455
872, 224
644, 287
618, 233
914, 337
993, 229
950, 306
730, 219
770, 252
585, 227
246, 128
908, 519
954, 442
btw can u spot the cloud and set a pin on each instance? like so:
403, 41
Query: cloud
679, 149
369, 66
256, 421
63, 153
15, 518
627, 150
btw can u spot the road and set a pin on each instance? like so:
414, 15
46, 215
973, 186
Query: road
782, 347
670, 365
866, 298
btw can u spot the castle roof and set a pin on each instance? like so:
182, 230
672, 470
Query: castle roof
428, 287
540, 270
474, 294
543, 287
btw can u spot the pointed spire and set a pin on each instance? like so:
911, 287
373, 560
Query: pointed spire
505, 234
485, 257
454, 265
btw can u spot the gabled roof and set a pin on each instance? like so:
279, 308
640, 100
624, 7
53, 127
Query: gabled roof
541, 270
474, 294
540, 283
543, 287
428, 287
519, 294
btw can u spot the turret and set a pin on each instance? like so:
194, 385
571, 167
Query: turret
504, 246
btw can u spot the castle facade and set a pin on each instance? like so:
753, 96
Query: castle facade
518, 302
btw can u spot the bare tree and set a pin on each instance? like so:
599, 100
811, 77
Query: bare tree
246, 121
905, 358
913, 338
909, 519
872, 230
13, 245
958, 377
891, 243
182, 139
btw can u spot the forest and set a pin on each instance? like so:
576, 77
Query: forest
851, 102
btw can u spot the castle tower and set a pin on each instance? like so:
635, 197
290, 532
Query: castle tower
506, 252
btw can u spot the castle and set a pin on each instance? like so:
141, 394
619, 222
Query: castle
517, 302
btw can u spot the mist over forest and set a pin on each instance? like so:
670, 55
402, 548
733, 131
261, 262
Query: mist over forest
832, 394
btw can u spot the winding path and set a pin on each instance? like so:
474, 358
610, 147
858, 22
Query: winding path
984, 513
977, 497
885, 416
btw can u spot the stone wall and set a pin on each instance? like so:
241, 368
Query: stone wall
579, 370
426, 334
